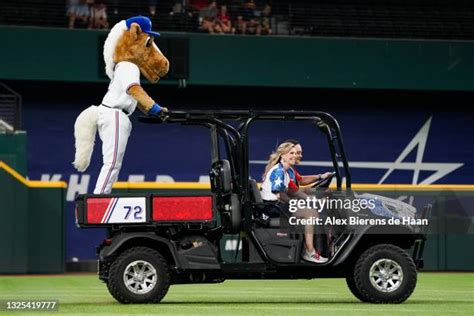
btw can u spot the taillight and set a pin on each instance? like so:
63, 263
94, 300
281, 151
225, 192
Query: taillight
107, 242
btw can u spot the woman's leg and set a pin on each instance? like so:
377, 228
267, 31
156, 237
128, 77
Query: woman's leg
309, 215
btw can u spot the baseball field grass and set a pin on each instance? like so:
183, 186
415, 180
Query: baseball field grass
435, 294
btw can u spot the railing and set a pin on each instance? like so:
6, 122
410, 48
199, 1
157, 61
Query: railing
10, 109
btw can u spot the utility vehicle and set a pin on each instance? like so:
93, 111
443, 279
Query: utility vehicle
159, 239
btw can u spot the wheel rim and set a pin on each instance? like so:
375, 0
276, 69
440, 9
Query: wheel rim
140, 277
386, 275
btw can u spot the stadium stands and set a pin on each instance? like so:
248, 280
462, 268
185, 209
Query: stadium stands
435, 19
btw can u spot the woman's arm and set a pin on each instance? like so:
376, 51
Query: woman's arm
305, 180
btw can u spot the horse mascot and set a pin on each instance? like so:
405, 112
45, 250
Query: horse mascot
128, 51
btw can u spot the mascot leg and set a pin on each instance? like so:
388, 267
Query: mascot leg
114, 130
85, 129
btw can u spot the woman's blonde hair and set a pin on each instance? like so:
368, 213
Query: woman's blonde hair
275, 157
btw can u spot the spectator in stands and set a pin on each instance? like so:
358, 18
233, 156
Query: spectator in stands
223, 20
198, 5
98, 17
265, 20
152, 7
207, 18
240, 24
77, 9
184, 15
251, 18
235, 11
246, 22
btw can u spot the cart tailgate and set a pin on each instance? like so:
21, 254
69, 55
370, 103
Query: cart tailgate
107, 210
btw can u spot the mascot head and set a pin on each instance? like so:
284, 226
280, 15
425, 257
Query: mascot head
132, 40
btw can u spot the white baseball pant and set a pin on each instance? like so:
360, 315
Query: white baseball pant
114, 128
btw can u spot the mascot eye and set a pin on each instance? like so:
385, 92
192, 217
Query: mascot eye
149, 41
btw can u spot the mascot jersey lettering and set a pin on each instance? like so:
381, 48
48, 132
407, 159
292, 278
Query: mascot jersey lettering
277, 180
126, 75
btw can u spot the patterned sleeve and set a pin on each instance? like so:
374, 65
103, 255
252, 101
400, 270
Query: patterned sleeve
277, 180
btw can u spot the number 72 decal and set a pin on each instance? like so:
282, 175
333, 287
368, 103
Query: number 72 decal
127, 210
137, 212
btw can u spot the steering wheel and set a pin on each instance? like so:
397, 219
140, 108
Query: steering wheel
324, 183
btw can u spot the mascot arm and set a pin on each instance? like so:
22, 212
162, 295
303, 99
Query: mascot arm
146, 104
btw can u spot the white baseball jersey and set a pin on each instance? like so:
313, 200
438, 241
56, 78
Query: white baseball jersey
276, 180
126, 75
114, 126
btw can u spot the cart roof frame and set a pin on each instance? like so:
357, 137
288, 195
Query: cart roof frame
236, 138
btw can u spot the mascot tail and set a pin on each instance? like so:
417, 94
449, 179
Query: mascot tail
85, 129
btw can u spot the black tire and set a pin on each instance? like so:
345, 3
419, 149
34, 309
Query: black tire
402, 278
148, 259
354, 290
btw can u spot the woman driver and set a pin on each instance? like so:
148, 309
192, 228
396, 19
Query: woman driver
279, 185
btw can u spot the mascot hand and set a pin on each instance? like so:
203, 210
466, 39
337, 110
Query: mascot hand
156, 110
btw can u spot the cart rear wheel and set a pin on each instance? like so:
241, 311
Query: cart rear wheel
139, 275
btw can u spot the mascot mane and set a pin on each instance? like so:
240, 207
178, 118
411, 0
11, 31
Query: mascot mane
109, 47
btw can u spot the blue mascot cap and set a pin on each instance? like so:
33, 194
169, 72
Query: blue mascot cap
144, 22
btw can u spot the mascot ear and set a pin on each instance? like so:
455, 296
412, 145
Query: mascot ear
135, 30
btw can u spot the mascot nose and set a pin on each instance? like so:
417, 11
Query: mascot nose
166, 66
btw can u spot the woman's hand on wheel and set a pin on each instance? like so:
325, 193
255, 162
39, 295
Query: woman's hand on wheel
326, 175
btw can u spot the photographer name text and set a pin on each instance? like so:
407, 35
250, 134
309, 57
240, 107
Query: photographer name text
357, 221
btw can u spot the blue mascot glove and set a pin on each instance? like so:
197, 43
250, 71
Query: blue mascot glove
155, 109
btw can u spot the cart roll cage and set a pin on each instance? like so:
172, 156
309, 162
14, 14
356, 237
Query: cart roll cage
236, 139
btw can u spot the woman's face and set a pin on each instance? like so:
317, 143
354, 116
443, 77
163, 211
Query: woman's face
290, 157
299, 153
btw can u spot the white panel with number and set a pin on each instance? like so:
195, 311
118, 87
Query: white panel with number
128, 210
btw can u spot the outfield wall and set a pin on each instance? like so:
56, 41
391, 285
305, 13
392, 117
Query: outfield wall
35, 53
13, 150
32, 224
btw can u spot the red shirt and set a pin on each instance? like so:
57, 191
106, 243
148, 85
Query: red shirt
298, 178
198, 4
223, 18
